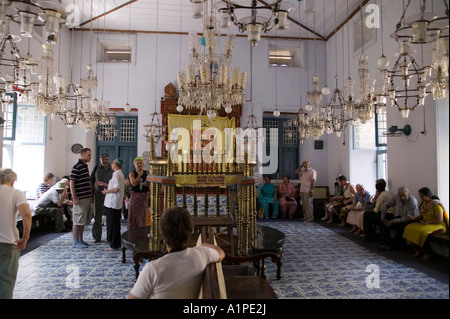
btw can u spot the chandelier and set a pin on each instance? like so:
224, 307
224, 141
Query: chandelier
404, 69
315, 123
301, 123
49, 14
337, 112
364, 109
46, 101
30, 14
421, 28
154, 130
254, 18
106, 130
22, 68
252, 126
439, 78
206, 85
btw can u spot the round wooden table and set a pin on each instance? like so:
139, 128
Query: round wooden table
142, 246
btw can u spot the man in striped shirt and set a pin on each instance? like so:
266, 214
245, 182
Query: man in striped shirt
81, 189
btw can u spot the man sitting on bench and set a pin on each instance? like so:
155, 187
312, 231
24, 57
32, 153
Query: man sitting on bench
178, 274
51, 204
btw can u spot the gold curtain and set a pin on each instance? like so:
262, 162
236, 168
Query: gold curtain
187, 122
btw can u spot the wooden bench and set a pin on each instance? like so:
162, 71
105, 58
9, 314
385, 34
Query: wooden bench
233, 281
440, 243
36, 220
321, 197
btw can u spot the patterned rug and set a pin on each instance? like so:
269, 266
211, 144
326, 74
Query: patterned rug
317, 264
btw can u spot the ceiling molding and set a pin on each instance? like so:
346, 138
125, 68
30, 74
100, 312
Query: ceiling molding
186, 33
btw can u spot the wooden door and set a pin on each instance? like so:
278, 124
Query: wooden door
124, 145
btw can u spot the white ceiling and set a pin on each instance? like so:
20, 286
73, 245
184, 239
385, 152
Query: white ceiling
176, 16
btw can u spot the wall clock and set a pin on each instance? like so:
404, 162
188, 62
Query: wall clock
76, 148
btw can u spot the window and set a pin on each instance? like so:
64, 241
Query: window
284, 56
127, 130
364, 135
117, 55
27, 143
290, 133
117, 48
381, 143
31, 125
274, 137
9, 116
381, 127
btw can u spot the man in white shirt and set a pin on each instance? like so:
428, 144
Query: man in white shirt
13, 202
178, 274
51, 204
112, 206
308, 177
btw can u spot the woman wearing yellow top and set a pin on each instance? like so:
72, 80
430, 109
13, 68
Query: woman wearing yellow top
432, 219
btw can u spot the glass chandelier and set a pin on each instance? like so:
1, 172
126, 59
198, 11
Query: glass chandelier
20, 69
364, 109
46, 101
405, 69
336, 113
29, 14
421, 28
206, 85
256, 22
315, 121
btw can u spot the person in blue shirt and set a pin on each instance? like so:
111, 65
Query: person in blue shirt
268, 196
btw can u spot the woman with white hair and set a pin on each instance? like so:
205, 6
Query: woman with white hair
13, 202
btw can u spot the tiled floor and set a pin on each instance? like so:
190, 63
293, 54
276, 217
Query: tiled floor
317, 264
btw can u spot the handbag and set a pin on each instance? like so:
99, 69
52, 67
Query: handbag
260, 214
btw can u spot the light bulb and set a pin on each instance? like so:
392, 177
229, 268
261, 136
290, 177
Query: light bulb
180, 108
326, 90
382, 62
308, 107
405, 113
276, 113
127, 107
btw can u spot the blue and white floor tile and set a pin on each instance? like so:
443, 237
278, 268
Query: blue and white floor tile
317, 264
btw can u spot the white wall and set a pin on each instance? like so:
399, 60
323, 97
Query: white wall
442, 116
